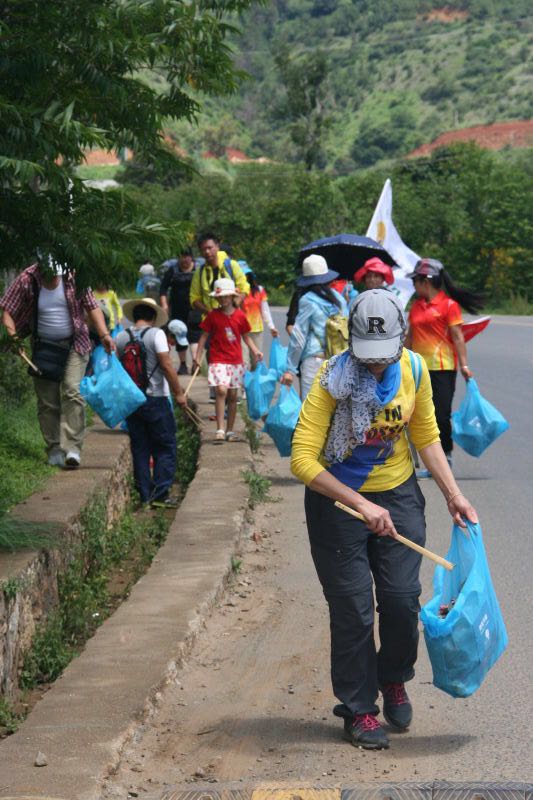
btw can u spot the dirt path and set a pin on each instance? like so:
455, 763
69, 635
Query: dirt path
253, 704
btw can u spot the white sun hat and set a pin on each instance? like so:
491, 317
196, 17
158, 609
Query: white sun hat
315, 270
223, 287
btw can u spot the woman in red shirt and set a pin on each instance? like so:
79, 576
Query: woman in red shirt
435, 323
225, 326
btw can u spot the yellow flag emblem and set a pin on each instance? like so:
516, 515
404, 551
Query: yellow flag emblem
382, 232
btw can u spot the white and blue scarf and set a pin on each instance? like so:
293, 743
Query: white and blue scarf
359, 398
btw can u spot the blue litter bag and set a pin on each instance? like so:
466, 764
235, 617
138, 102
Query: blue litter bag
278, 357
116, 330
110, 392
464, 644
260, 386
282, 419
476, 424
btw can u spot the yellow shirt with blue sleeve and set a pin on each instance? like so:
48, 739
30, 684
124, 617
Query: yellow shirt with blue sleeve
384, 460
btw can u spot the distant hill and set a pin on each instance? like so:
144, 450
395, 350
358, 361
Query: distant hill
397, 75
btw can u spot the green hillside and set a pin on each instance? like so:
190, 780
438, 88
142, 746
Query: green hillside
352, 82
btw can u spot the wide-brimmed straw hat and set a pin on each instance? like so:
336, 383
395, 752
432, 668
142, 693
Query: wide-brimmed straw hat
375, 265
315, 270
223, 287
161, 316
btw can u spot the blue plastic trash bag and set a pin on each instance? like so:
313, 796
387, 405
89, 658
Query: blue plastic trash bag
476, 424
282, 419
110, 392
463, 625
116, 330
99, 360
278, 357
260, 386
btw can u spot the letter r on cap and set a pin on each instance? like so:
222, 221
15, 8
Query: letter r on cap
376, 325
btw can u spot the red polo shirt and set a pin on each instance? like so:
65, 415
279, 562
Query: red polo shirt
429, 323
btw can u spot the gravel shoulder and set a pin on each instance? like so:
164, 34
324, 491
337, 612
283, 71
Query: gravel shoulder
253, 703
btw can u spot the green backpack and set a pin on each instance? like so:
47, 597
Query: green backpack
336, 334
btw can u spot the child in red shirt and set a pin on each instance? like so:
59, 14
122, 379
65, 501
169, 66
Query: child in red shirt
225, 326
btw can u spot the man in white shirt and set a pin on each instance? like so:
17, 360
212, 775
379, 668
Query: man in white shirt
45, 302
152, 427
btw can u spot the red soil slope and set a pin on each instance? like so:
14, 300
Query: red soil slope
492, 137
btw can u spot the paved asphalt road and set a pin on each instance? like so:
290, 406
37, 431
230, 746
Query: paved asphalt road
500, 485
253, 703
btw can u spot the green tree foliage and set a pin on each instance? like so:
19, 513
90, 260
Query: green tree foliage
385, 135
450, 71
469, 207
304, 105
73, 78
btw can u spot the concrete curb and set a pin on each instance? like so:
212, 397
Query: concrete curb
106, 467
103, 697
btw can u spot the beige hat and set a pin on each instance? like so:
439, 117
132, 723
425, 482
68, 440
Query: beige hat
223, 287
315, 270
161, 316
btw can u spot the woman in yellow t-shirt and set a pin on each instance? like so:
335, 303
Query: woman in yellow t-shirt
110, 305
350, 444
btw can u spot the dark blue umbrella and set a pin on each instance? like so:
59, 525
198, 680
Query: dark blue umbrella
345, 252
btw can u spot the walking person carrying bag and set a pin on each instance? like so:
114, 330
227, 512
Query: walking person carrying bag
43, 301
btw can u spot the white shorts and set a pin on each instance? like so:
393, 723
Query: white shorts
229, 375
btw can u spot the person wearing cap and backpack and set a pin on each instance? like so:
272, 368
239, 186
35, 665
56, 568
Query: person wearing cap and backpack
144, 353
350, 445
317, 303
435, 331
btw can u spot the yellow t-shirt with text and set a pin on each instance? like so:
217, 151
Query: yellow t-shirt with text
384, 460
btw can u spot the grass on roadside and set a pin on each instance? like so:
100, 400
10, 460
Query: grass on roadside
9, 719
103, 567
259, 487
86, 588
516, 304
23, 469
250, 429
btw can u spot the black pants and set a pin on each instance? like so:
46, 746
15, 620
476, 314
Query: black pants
152, 430
347, 557
443, 385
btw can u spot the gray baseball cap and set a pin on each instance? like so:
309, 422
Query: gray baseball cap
377, 325
427, 268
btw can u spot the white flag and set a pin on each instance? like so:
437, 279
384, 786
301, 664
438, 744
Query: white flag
382, 230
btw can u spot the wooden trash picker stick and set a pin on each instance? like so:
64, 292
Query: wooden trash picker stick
29, 362
194, 376
419, 549
190, 414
